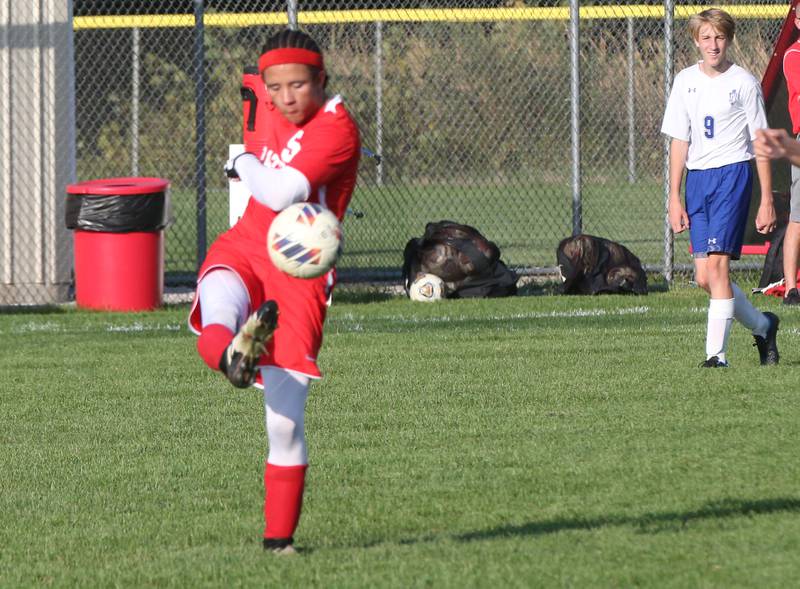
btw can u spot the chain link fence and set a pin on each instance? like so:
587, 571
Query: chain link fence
469, 111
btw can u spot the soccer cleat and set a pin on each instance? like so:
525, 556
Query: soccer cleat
280, 546
792, 297
768, 345
240, 360
714, 362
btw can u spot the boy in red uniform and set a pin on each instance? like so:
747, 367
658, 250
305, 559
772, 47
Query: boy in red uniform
791, 243
776, 144
254, 320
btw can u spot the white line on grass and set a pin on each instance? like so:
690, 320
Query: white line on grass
574, 313
136, 327
53, 327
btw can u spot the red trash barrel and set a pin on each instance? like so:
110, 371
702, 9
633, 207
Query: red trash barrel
118, 225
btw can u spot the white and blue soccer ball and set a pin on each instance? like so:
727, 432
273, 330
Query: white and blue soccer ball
305, 240
427, 288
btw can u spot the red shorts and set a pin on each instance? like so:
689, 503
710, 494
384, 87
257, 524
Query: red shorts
302, 303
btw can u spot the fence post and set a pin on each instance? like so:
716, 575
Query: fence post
669, 239
291, 10
575, 91
631, 106
200, 128
135, 101
379, 97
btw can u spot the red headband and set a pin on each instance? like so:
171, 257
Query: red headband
290, 55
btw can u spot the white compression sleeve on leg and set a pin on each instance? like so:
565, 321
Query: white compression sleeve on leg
746, 314
276, 188
223, 299
285, 395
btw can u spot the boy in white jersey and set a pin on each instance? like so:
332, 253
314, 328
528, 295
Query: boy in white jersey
712, 115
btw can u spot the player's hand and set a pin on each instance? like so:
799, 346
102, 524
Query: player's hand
230, 170
771, 143
678, 218
766, 219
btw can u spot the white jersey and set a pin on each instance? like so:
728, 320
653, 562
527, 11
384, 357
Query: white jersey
718, 116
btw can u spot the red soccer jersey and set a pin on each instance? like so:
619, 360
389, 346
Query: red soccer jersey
325, 150
791, 71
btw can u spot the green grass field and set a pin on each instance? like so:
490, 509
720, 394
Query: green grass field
533, 441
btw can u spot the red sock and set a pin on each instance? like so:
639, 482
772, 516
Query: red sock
283, 499
212, 343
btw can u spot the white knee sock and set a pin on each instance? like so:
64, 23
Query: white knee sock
746, 314
285, 395
223, 299
720, 319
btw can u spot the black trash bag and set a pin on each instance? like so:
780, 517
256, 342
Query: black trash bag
121, 213
460, 255
594, 265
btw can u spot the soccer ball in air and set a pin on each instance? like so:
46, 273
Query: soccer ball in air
427, 289
304, 240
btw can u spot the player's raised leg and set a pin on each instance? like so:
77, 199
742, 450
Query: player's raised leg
285, 395
224, 305
230, 341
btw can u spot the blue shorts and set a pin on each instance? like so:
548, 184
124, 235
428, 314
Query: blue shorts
717, 202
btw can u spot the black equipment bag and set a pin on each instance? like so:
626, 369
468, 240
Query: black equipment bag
460, 255
773, 262
594, 265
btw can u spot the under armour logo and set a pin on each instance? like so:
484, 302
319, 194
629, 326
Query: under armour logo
732, 97
692, 90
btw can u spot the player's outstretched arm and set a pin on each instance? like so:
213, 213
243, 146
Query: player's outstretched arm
773, 144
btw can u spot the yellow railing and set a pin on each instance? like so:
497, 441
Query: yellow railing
249, 19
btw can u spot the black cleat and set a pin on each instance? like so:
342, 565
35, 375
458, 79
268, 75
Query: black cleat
240, 360
281, 546
713, 362
768, 345
792, 297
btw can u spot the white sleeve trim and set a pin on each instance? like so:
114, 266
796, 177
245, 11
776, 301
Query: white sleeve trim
276, 188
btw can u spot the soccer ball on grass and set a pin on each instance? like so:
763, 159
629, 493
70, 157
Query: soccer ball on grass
427, 288
304, 240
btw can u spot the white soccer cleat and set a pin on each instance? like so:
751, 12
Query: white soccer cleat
240, 360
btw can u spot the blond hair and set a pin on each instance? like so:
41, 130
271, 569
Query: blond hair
719, 19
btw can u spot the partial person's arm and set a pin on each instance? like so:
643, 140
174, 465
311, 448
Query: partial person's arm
677, 126
276, 188
678, 218
765, 218
775, 144
753, 103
